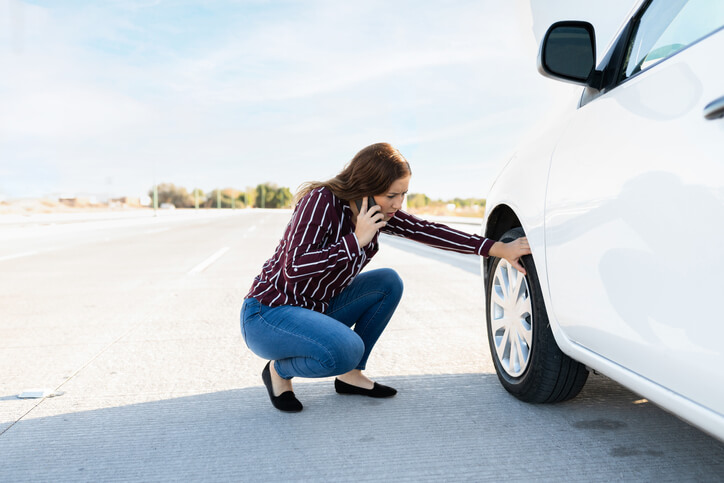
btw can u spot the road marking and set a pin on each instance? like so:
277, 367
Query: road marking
17, 255
206, 263
249, 230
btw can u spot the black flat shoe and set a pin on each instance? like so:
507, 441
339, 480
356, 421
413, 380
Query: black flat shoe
377, 391
286, 401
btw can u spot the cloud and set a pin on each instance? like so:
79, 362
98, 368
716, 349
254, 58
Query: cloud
240, 93
69, 112
338, 46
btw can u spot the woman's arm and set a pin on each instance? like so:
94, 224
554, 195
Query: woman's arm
442, 236
437, 235
305, 256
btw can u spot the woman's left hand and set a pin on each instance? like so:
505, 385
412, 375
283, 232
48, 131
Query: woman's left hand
511, 251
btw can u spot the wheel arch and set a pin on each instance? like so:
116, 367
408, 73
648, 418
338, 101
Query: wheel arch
500, 220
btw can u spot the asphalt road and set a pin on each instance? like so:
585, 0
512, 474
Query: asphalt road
135, 320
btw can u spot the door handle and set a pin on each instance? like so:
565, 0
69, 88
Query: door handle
715, 109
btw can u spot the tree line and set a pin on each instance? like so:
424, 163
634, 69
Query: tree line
420, 200
269, 195
265, 195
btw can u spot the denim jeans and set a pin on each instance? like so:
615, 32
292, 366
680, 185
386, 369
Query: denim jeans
305, 343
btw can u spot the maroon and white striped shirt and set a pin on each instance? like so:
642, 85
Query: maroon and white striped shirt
319, 254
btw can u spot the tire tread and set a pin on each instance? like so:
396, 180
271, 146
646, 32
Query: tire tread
551, 376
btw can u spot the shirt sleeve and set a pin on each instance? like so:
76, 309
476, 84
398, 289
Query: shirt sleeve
437, 235
305, 255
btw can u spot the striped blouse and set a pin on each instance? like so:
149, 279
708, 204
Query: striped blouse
319, 255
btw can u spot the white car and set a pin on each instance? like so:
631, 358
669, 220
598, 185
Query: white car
622, 202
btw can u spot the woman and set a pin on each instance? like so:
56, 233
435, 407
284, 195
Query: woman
301, 308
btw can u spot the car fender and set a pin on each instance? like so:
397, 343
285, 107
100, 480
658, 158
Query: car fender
511, 202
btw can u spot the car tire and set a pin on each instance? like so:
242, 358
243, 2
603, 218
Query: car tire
529, 363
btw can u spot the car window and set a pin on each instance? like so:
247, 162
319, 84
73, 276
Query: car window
668, 26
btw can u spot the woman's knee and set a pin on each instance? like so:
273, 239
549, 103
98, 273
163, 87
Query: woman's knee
346, 355
392, 282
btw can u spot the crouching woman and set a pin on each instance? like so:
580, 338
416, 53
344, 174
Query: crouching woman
311, 311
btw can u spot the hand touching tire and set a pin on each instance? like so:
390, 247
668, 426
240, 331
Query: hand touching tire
512, 251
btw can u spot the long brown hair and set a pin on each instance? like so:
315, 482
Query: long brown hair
371, 172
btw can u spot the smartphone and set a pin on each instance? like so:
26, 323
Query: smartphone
370, 203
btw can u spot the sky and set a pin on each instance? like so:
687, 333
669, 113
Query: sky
110, 97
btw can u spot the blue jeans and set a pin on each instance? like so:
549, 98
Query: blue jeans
305, 343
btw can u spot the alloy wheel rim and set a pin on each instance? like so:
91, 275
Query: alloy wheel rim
511, 318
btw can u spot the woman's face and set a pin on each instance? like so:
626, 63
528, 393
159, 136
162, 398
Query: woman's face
391, 201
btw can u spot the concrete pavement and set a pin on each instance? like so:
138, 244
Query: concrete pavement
158, 385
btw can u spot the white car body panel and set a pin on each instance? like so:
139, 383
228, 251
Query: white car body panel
627, 239
527, 200
627, 210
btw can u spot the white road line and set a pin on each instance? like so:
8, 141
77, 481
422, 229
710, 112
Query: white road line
17, 255
206, 263
248, 231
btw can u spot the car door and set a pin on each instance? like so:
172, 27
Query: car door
634, 222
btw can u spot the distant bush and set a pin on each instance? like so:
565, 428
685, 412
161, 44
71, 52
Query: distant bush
175, 195
269, 195
417, 200
228, 198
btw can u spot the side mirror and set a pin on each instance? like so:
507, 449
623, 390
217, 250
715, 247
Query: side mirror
568, 52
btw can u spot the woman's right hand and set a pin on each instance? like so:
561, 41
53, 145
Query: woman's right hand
511, 251
368, 223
